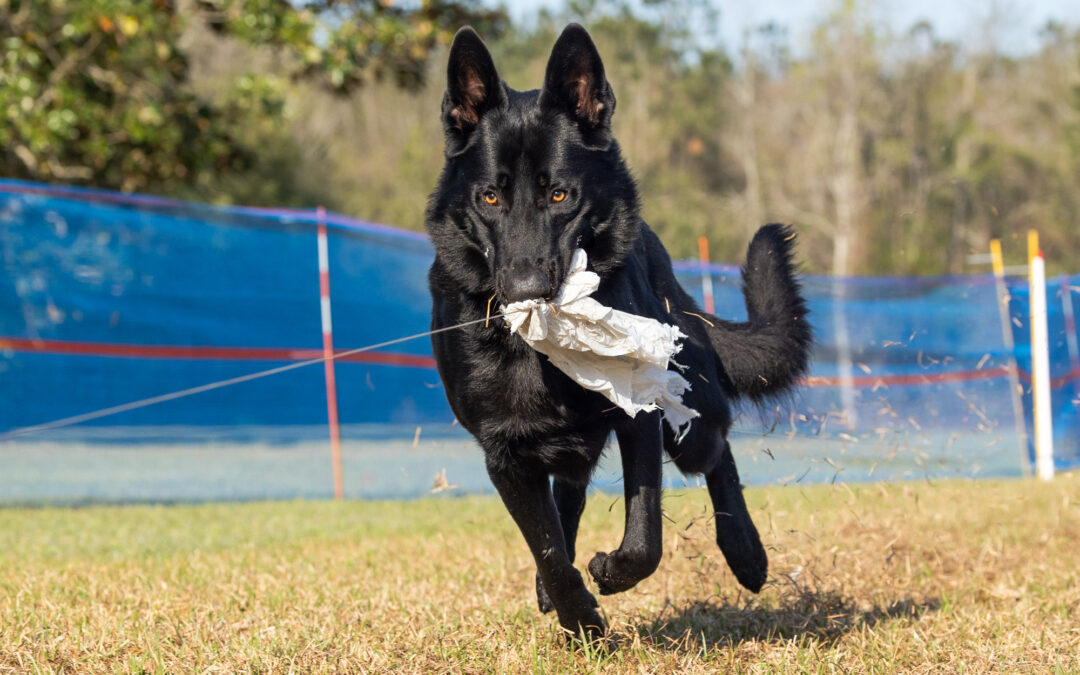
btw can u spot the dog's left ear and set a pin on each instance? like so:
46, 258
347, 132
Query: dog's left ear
575, 84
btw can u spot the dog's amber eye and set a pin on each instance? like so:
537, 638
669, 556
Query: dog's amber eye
491, 198
558, 195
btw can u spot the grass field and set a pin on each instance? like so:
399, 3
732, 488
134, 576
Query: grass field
913, 577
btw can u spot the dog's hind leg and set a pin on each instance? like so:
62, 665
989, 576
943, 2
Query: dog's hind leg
570, 503
641, 445
528, 498
736, 535
706, 451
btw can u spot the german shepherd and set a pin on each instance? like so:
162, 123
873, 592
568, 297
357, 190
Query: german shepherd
529, 177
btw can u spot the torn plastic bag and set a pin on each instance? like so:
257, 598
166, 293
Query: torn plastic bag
620, 355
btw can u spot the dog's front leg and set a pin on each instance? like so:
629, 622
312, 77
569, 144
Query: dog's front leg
570, 503
528, 499
641, 446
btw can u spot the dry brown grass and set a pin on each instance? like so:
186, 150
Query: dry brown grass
946, 577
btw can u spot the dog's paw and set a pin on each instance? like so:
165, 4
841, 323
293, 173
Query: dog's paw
609, 578
741, 546
578, 614
748, 562
546, 604
584, 625
543, 600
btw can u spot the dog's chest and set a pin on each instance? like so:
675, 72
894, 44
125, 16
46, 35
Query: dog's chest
521, 394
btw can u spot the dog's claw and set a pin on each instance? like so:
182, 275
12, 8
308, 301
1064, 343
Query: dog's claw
608, 581
600, 575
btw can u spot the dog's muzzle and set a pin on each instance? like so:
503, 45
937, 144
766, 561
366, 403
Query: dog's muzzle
524, 280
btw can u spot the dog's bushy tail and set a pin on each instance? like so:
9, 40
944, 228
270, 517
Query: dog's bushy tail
768, 353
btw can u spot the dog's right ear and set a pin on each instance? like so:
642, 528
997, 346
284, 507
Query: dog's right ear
473, 88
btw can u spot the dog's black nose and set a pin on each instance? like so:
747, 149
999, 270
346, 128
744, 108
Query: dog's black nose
524, 281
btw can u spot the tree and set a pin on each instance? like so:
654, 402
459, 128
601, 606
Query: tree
97, 91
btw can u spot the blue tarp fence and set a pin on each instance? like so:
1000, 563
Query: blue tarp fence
107, 298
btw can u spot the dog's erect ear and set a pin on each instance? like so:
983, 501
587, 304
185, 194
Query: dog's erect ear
575, 84
472, 88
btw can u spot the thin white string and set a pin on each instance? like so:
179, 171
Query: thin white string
142, 403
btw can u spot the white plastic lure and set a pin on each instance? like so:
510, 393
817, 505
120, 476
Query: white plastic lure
623, 356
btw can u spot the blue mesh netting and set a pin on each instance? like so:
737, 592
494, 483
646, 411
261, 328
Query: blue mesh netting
102, 296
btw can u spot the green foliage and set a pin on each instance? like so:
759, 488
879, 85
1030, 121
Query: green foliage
98, 91
347, 44
93, 92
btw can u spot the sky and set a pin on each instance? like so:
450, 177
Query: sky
954, 20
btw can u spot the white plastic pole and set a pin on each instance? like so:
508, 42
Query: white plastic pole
1040, 364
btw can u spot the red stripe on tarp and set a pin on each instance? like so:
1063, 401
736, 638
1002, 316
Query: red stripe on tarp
1062, 380
1055, 382
133, 351
866, 381
869, 381
205, 353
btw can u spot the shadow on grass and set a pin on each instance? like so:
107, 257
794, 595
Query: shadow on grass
798, 614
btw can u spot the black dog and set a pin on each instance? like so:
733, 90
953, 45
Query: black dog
529, 177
